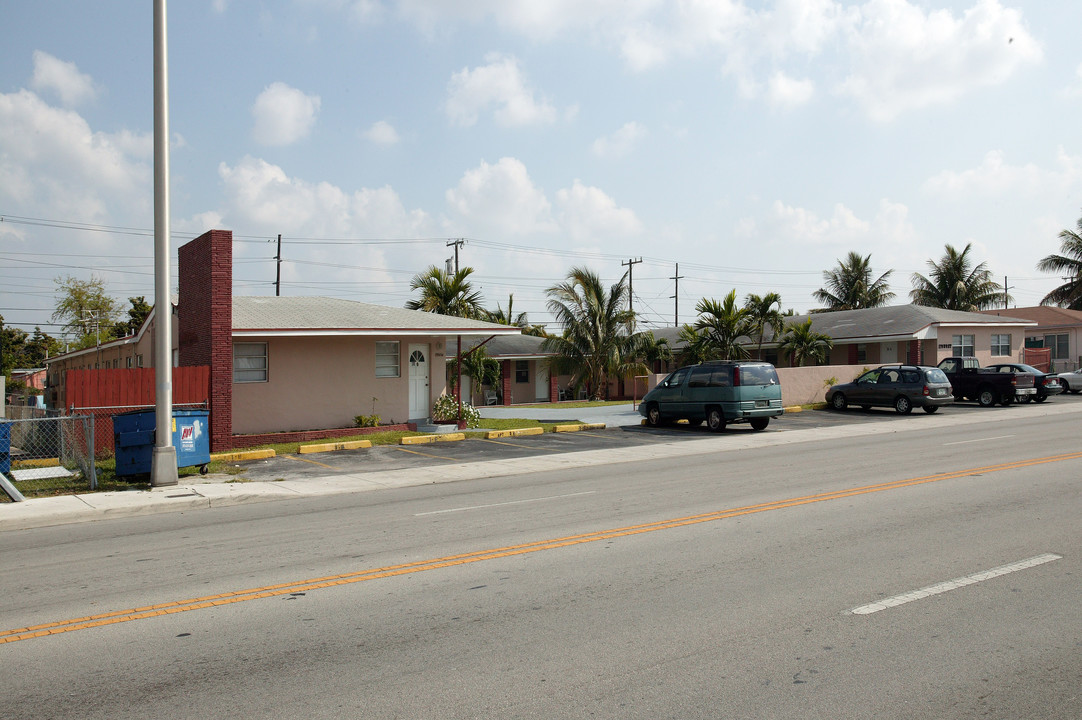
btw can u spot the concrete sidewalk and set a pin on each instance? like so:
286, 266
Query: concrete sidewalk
612, 415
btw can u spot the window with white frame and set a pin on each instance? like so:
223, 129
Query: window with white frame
522, 371
1001, 343
249, 362
862, 353
387, 359
962, 346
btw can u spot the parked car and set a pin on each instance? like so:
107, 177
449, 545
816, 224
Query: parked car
1047, 384
718, 392
901, 387
1071, 381
972, 382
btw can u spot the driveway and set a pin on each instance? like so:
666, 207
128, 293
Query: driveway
612, 415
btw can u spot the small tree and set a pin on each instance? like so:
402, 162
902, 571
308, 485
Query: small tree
85, 310
764, 312
137, 313
802, 344
723, 323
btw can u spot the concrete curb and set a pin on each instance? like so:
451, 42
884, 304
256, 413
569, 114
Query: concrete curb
243, 455
424, 439
331, 447
578, 427
516, 432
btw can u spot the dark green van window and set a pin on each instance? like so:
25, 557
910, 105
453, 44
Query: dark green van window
700, 377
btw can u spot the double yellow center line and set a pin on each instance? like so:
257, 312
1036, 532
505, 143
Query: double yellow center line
209, 601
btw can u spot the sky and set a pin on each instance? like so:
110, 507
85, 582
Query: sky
751, 145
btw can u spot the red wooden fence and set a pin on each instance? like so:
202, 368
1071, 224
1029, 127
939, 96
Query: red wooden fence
104, 393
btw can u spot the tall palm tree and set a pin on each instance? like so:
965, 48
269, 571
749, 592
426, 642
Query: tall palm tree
655, 351
850, 286
446, 293
763, 314
508, 318
598, 339
802, 344
1068, 265
695, 346
723, 323
954, 283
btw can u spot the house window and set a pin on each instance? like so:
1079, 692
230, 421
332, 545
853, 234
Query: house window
129, 362
387, 359
522, 371
139, 361
249, 362
1058, 344
962, 346
862, 353
1001, 344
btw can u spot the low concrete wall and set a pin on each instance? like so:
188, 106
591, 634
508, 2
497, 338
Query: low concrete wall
800, 385
806, 385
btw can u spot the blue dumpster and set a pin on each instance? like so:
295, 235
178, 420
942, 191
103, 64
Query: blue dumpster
5, 447
133, 440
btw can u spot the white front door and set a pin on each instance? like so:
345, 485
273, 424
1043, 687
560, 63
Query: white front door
418, 381
541, 394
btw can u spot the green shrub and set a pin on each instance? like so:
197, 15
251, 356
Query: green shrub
366, 421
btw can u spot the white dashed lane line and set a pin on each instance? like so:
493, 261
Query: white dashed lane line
955, 584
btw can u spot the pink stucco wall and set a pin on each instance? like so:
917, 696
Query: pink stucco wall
324, 382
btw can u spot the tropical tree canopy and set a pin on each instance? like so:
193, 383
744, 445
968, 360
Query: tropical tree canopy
446, 293
723, 324
599, 339
1068, 264
803, 345
85, 310
764, 311
508, 318
954, 283
850, 286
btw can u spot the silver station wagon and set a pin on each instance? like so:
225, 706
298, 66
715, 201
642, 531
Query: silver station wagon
719, 392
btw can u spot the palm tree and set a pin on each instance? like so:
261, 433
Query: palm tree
656, 352
850, 286
598, 339
762, 315
695, 346
802, 344
508, 318
955, 284
446, 293
723, 324
1069, 266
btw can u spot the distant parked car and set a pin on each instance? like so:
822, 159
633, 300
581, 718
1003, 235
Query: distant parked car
898, 386
1047, 384
1071, 381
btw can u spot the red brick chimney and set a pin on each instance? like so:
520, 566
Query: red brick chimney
205, 323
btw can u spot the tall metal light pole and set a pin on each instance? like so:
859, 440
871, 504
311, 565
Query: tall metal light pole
163, 465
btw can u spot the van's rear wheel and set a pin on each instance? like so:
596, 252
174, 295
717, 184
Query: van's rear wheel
715, 420
759, 423
653, 415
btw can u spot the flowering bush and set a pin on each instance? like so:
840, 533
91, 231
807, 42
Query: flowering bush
445, 409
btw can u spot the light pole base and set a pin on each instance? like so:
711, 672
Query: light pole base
163, 467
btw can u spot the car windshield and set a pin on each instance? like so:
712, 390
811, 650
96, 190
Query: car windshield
937, 376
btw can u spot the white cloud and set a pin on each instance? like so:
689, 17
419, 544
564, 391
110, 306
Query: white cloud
1074, 90
799, 225
62, 78
499, 85
787, 93
997, 178
500, 199
587, 214
283, 115
53, 164
619, 143
382, 133
904, 58
261, 195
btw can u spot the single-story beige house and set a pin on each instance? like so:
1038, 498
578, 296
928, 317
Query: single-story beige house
524, 372
1055, 328
291, 364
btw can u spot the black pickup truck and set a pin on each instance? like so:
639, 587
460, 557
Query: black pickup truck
972, 382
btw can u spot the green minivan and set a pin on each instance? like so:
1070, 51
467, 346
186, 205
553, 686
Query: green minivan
718, 392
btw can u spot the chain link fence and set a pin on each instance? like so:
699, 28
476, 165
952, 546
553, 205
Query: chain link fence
47, 455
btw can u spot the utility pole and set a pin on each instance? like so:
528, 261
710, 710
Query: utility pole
1005, 289
163, 465
278, 273
631, 263
676, 296
457, 242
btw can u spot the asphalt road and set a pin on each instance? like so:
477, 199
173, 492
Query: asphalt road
929, 570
